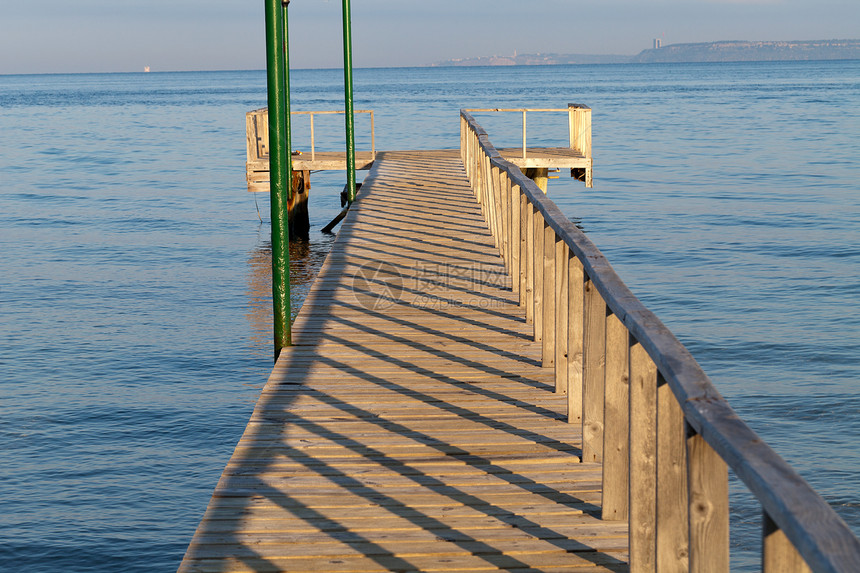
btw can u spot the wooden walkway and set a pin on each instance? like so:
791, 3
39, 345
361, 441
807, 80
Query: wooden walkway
412, 427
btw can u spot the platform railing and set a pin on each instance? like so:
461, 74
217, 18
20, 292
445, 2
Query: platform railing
578, 120
257, 130
649, 413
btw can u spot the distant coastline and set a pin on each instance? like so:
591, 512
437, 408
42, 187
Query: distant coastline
723, 51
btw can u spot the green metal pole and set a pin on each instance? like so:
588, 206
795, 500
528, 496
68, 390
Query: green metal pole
279, 170
350, 120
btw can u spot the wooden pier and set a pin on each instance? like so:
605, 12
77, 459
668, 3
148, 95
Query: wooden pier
412, 427
473, 388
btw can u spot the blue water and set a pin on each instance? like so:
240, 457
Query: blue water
134, 329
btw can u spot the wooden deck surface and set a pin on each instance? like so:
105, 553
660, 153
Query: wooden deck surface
412, 427
551, 157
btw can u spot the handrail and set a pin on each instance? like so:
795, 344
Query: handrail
648, 411
257, 145
579, 123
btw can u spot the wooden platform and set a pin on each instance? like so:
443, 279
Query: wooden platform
412, 427
549, 157
257, 170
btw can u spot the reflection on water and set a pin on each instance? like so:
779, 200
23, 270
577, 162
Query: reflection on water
306, 259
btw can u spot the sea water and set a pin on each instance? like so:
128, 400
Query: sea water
134, 279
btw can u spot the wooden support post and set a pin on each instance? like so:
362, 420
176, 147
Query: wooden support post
575, 337
499, 206
643, 461
708, 484
516, 238
562, 253
592, 374
491, 199
476, 176
672, 525
476, 173
778, 554
530, 265
540, 175
513, 241
616, 421
537, 260
548, 348
505, 211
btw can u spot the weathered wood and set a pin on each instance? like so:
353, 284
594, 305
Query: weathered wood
594, 361
538, 231
516, 237
616, 418
562, 298
672, 514
643, 461
528, 224
778, 554
576, 337
708, 486
548, 313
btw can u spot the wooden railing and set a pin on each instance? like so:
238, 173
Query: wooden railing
579, 132
257, 130
578, 120
663, 433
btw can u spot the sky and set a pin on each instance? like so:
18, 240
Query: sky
53, 36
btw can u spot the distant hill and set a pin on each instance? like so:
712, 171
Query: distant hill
741, 51
726, 51
536, 60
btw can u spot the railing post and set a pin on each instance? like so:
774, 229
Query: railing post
524, 217
504, 224
493, 200
575, 337
562, 315
672, 526
500, 206
778, 554
643, 461
509, 217
579, 119
537, 266
593, 374
708, 506
548, 300
313, 142
530, 216
516, 236
616, 415
486, 191
524, 134
372, 137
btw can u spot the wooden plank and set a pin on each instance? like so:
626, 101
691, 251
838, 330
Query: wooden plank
538, 229
672, 515
562, 299
548, 312
594, 361
708, 485
616, 415
643, 461
575, 338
